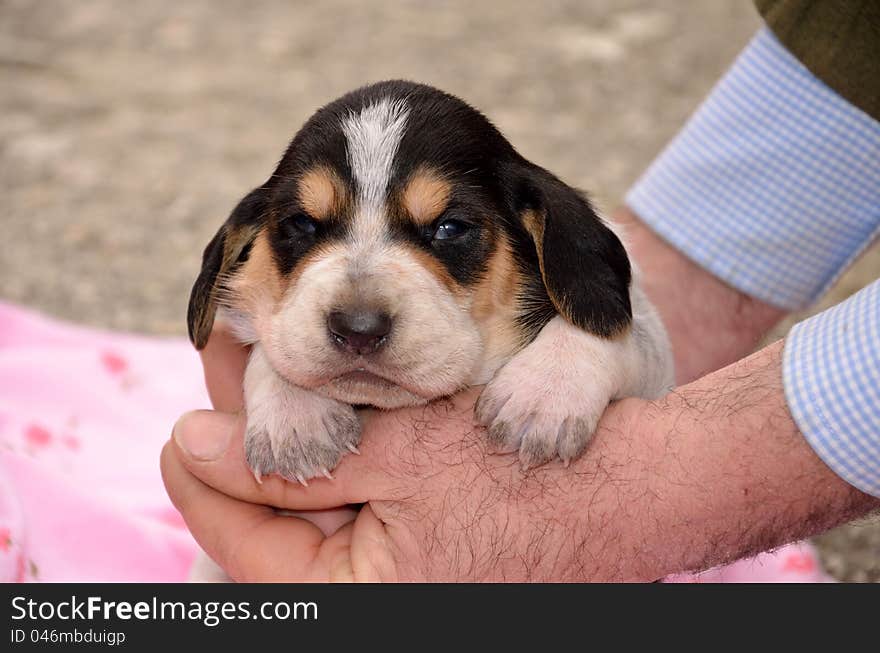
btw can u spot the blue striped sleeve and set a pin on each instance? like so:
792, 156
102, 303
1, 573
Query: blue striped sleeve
774, 186
773, 183
831, 373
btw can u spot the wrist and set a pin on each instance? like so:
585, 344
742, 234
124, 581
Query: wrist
735, 476
710, 323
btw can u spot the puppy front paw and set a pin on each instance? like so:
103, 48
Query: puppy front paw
291, 431
537, 421
547, 400
305, 443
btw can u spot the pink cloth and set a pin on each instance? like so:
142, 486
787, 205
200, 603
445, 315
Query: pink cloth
83, 416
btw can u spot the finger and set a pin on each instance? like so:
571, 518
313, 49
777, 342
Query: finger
224, 359
210, 445
329, 521
250, 542
372, 560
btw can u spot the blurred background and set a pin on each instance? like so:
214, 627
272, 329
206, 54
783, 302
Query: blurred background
129, 130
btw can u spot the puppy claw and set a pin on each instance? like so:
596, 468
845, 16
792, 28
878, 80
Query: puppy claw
326, 473
497, 434
299, 477
353, 449
488, 408
257, 476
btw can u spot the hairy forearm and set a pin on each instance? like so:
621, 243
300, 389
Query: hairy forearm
714, 471
710, 323
724, 473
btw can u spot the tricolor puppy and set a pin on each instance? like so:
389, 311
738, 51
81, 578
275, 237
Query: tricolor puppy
403, 250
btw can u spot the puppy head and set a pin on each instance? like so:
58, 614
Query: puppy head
403, 250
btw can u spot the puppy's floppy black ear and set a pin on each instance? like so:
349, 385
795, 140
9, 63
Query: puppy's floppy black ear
584, 265
228, 249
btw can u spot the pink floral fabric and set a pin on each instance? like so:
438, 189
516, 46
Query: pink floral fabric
83, 416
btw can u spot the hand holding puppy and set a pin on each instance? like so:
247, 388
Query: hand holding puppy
437, 504
665, 486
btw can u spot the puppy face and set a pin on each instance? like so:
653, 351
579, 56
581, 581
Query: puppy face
403, 250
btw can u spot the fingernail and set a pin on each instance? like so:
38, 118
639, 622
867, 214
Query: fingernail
204, 434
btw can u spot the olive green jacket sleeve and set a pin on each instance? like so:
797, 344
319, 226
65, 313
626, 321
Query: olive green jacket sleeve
837, 40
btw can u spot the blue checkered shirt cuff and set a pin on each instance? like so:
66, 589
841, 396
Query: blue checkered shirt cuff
774, 187
773, 183
831, 373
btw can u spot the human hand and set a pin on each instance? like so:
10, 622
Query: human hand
714, 471
437, 504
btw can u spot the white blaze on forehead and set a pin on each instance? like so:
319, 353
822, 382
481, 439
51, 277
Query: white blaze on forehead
373, 137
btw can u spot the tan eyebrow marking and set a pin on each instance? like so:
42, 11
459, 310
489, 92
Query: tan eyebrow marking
426, 195
320, 192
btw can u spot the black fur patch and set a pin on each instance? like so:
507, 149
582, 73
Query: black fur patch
584, 266
228, 249
289, 244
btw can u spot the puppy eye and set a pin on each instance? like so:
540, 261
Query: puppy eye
301, 223
449, 229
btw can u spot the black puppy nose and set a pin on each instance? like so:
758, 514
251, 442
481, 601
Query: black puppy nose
359, 332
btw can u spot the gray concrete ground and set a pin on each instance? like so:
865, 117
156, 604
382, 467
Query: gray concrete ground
129, 130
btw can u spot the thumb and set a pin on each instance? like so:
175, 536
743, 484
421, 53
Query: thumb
210, 444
